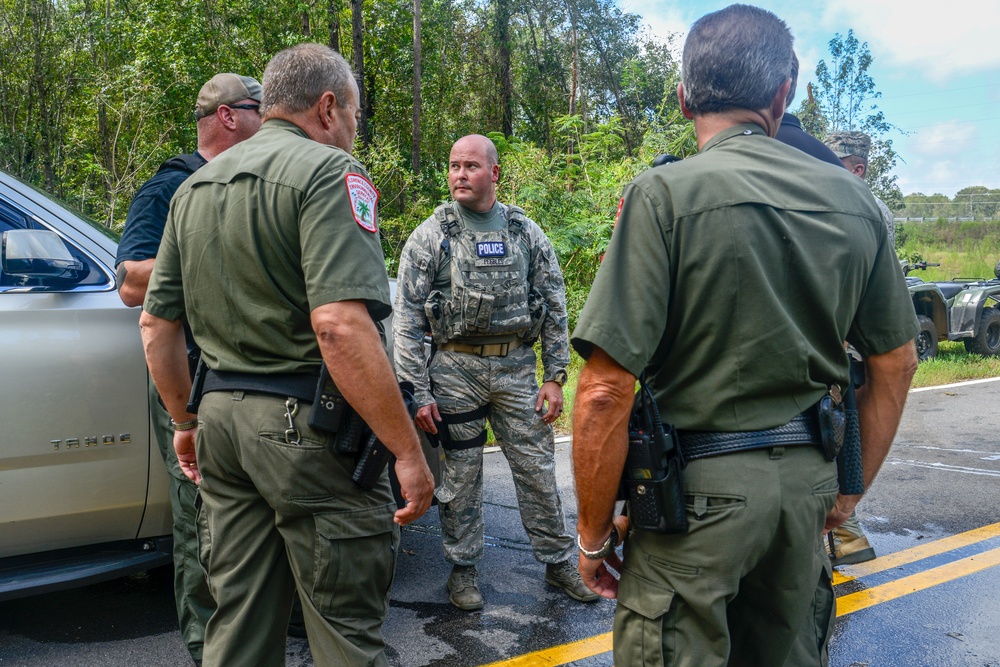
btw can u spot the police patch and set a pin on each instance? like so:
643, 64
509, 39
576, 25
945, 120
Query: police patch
364, 200
491, 249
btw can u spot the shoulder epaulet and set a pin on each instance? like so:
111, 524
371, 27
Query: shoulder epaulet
516, 218
446, 217
188, 162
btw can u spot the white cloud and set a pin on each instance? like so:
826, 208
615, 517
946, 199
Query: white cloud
945, 158
943, 38
662, 17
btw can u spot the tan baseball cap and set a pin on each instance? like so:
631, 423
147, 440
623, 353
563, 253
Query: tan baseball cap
225, 88
844, 144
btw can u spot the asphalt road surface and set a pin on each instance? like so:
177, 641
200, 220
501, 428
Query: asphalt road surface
930, 599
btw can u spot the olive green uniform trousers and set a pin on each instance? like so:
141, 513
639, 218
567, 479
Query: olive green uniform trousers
736, 588
191, 595
279, 511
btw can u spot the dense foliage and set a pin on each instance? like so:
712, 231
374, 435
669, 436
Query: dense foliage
94, 94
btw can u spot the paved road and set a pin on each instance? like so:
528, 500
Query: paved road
930, 599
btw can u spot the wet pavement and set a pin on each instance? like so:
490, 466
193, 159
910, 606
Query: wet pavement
929, 599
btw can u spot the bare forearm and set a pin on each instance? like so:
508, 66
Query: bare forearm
166, 357
880, 404
600, 442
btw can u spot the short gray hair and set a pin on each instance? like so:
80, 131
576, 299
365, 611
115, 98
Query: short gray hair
296, 78
736, 57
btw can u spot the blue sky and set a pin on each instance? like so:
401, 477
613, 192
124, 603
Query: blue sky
937, 65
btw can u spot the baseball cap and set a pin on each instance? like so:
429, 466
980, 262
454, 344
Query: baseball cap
844, 144
225, 88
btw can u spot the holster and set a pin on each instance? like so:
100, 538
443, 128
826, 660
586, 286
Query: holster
832, 423
651, 481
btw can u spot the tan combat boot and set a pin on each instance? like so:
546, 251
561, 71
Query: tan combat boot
847, 544
564, 575
463, 586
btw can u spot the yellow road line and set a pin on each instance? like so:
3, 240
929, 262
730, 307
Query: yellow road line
912, 555
560, 655
853, 602
846, 604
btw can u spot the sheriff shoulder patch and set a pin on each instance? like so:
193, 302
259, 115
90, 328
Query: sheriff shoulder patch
364, 201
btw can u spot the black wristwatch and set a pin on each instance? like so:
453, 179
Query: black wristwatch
559, 378
606, 549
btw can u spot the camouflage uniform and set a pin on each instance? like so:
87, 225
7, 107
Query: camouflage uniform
501, 388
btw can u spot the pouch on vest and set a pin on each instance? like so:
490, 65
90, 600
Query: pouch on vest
434, 309
477, 307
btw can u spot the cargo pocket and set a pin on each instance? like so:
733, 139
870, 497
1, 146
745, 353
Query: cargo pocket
354, 562
639, 623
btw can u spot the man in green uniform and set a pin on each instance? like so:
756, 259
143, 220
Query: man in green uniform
227, 113
484, 280
717, 283
271, 252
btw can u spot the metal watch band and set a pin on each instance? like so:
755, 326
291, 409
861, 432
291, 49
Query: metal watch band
606, 549
184, 426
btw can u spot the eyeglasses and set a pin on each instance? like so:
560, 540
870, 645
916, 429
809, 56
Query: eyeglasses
252, 107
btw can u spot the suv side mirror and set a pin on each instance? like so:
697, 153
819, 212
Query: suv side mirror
35, 253
996, 270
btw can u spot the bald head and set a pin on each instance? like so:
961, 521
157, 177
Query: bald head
473, 171
478, 142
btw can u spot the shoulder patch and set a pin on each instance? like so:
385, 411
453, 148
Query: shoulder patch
618, 215
364, 201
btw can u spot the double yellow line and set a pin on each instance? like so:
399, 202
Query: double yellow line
852, 602
846, 604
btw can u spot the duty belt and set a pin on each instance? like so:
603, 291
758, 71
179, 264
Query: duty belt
802, 430
295, 385
491, 350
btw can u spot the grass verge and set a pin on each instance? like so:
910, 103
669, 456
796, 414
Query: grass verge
952, 364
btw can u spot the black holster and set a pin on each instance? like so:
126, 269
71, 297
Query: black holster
651, 481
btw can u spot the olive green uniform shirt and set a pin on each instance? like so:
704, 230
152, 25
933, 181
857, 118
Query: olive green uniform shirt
737, 275
266, 233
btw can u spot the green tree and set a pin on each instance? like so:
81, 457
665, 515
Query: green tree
845, 94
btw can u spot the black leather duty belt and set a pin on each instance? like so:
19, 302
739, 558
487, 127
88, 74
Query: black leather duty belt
295, 385
802, 430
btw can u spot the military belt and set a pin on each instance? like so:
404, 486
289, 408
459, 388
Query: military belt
491, 350
294, 385
802, 430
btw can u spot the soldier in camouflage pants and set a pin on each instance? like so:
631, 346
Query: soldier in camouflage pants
484, 280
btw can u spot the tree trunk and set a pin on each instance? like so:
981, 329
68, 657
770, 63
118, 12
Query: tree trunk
358, 53
333, 17
416, 87
503, 57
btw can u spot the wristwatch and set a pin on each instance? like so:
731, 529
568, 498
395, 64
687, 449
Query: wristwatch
606, 549
559, 378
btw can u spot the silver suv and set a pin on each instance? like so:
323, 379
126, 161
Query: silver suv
83, 491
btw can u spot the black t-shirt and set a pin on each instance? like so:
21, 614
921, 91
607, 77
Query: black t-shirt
147, 213
790, 132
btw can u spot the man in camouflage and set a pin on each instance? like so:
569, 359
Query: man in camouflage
852, 148
484, 281
847, 544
